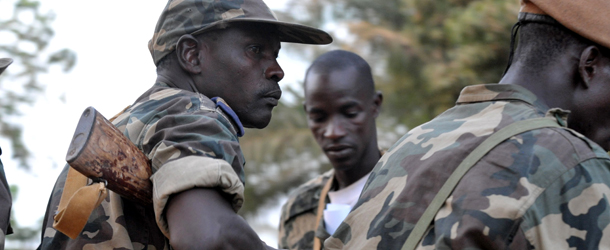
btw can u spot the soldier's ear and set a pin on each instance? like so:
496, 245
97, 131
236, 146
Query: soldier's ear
188, 50
588, 64
377, 101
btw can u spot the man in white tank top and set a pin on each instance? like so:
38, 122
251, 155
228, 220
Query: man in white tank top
341, 105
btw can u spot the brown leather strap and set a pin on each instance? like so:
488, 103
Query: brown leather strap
317, 243
78, 201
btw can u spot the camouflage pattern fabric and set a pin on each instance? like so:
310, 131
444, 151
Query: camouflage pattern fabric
181, 17
191, 141
5, 206
542, 189
298, 215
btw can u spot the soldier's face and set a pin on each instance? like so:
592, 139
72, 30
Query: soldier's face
242, 68
341, 115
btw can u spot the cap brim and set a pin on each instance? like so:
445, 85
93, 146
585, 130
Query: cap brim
289, 32
296, 33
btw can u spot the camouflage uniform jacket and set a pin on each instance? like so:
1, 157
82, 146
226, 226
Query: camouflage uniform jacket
542, 189
192, 141
298, 216
5, 206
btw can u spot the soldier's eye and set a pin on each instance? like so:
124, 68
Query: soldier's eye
351, 112
255, 49
316, 117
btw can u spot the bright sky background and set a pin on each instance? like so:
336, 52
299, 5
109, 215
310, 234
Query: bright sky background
113, 68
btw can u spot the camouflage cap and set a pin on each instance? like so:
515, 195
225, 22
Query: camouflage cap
588, 18
194, 17
4, 63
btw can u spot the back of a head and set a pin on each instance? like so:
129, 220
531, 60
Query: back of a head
573, 38
549, 27
541, 43
338, 60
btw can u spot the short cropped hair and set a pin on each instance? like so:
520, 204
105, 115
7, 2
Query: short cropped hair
338, 60
540, 44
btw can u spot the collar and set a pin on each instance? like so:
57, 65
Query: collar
220, 103
500, 92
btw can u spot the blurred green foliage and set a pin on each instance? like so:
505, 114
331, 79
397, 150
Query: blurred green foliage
25, 38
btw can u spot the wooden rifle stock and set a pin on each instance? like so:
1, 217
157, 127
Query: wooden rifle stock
101, 152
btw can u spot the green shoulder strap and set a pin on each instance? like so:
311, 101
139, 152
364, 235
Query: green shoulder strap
496, 138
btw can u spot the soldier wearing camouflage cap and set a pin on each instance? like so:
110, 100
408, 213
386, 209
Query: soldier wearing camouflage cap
5, 192
216, 74
545, 188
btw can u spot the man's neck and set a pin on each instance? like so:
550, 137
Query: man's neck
174, 80
551, 87
346, 178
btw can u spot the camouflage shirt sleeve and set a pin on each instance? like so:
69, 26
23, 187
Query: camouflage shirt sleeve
542, 189
191, 141
298, 216
572, 213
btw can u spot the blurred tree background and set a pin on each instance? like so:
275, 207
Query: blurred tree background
24, 37
422, 53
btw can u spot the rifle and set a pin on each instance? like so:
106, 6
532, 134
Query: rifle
101, 152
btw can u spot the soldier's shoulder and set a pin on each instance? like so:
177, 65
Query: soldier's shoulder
305, 197
568, 146
312, 187
161, 100
584, 145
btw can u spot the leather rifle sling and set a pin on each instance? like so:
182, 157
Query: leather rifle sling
317, 243
78, 201
496, 138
